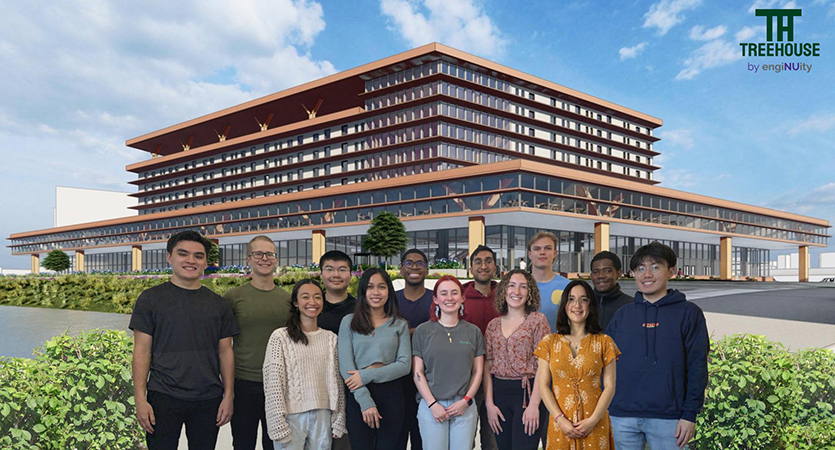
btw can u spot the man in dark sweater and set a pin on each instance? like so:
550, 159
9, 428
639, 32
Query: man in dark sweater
662, 372
606, 270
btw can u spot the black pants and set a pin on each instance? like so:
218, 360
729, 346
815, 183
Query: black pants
509, 396
249, 412
410, 422
199, 417
389, 399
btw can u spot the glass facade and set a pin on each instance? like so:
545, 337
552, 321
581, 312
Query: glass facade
508, 190
112, 262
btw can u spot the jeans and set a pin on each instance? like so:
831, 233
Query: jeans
508, 396
410, 432
249, 412
171, 413
631, 433
310, 430
389, 399
454, 434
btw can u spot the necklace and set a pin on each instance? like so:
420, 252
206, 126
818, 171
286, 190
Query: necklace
448, 332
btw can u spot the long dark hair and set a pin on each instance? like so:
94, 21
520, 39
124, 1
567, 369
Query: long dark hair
294, 322
592, 322
361, 322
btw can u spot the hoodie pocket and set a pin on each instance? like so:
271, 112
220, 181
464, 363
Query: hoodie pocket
656, 393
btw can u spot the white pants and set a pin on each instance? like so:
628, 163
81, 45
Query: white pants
309, 430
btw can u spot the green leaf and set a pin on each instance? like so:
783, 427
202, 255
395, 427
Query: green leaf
38, 428
742, 382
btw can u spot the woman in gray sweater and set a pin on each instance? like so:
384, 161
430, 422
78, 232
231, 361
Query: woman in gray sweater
374, 353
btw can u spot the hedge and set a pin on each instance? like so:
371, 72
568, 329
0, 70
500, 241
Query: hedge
107, 293
77, 394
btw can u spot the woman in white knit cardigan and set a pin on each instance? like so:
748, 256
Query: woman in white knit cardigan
303, 391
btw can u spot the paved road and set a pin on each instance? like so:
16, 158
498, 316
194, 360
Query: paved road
803, 302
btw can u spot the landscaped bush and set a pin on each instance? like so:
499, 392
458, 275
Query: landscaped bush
76, 394
111, 293
760, 397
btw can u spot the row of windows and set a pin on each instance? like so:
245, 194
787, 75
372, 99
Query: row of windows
243, 153
497, 84
490, 101
581, 198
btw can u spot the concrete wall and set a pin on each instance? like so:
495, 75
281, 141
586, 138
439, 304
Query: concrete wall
76, 205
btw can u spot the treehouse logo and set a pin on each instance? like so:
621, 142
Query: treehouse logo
784, 45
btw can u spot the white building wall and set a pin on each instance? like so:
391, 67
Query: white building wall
826, 259
77, 205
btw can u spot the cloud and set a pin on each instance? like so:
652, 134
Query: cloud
698, 33
816, 123
458, 23
631, 52
666, 14
749, 32
677, 178
814, 201
682, 138
122, 69
713, 54
771, 4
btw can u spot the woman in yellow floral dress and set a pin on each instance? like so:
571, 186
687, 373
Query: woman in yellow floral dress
572, 363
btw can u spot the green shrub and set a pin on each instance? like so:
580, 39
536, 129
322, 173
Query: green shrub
757, 389
76, 394
111, 293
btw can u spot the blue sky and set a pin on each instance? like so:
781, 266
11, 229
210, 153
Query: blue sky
81, 77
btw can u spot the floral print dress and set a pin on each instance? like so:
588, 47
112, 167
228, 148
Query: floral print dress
576, 383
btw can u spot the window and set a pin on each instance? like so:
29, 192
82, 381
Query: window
344, 129
327, 151
300, 140
531, 96
315, 137
531, 114
344, 148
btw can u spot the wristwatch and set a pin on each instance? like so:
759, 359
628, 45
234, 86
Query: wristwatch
469, 401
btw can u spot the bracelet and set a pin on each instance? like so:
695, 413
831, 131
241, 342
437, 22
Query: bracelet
431, 405
467, 399
558, 417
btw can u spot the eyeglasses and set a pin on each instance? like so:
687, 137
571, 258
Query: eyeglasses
413, 264
331, 269
655, 269
486, 262
259, 255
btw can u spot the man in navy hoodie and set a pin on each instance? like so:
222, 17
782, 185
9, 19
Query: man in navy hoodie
662, 373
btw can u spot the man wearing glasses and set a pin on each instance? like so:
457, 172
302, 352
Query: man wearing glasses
415, 302
480, 309
662, 372
336, 277
260, 307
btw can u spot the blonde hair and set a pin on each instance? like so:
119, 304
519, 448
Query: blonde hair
258, 238
543, 234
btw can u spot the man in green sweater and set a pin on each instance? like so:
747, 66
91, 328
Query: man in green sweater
260, 307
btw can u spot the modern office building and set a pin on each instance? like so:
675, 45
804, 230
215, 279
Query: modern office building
465, 151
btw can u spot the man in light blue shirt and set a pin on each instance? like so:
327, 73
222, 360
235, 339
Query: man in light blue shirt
542, 251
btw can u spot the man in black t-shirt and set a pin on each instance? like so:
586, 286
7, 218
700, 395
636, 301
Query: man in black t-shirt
183, 365
336, 277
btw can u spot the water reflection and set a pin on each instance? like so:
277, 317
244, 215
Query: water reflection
23, 329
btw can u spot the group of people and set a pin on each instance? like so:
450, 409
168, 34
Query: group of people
534, 358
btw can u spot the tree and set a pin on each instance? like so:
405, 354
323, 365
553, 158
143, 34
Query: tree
387, 236
56, 260
214, 255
